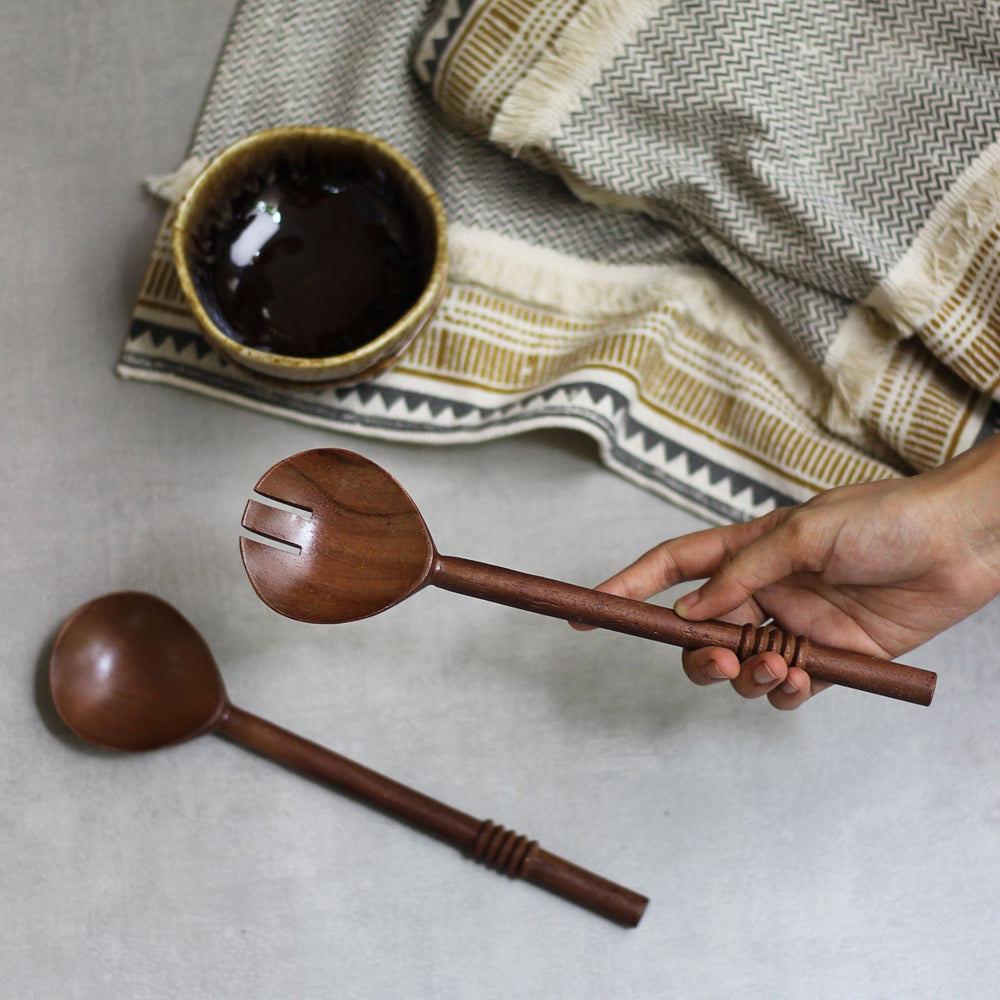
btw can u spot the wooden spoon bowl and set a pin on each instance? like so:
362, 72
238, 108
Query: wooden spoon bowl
129, 672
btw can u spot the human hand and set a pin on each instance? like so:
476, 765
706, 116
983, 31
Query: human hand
878, 568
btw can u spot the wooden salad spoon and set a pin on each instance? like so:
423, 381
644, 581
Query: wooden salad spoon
357, 545
129, 672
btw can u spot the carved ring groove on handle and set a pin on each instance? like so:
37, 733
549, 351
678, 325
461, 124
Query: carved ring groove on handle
503, 850
793, 649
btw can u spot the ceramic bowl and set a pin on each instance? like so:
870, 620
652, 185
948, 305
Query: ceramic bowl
244, 168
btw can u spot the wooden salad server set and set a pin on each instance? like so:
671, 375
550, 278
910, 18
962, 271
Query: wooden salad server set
359, 545
128, 672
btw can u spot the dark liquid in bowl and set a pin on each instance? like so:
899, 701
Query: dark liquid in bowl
315, 266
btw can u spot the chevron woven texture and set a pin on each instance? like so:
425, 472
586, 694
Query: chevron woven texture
806, 141
706, 259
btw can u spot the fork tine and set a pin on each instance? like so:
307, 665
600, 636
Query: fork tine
276, 524
287, 483
268, 569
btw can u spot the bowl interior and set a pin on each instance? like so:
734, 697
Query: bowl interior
240, 184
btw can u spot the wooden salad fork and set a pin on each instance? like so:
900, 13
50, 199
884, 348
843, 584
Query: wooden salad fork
356, 544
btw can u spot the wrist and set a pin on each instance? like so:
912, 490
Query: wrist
974, 497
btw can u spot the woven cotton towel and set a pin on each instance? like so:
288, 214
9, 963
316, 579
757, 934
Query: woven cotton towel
601, 313
839, 160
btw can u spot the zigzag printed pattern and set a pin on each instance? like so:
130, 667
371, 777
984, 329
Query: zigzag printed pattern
435, 39
661, 462
178, 340
810, 139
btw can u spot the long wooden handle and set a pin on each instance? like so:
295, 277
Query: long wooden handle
496, 847
650, 621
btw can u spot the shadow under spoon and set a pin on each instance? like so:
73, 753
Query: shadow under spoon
128, 672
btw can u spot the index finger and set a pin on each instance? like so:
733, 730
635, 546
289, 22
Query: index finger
688, 557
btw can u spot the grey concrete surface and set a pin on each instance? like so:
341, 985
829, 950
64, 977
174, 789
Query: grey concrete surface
847, 850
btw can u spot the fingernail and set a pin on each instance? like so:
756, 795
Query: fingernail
789, 688
713, 670
762, 674
683, 606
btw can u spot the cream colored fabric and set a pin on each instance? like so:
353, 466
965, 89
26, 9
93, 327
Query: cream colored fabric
701, 374
915, 362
